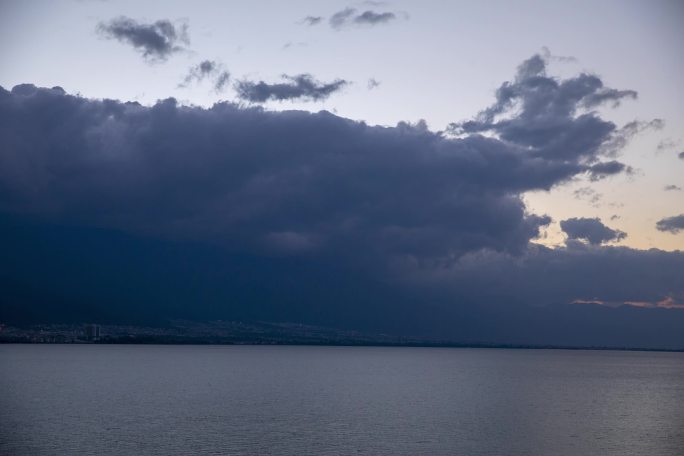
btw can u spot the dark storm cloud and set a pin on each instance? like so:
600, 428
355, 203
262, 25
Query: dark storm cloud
673, 224
299, 215
299, 87
591, 230
207, 69
483, 296
156, 41
672, 187
350, 16
290, 182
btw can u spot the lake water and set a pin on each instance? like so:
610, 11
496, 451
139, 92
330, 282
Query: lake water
252, 400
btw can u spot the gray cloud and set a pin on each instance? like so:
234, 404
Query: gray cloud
546, 55
207, 69
371, 17
350, 16
673, 224
546, 116
302, 86
591, 230
373, 83
342, 17
588, 194
672, 187
290, 44
221, 80
156, 41
621, 137
312, 20
605, 169
681, 155
666, 144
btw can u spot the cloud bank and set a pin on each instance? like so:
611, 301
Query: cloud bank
299, 181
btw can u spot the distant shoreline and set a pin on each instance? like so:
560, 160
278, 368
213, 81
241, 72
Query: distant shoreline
352, 344
220, 332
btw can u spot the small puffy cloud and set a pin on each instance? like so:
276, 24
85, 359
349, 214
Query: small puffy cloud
673, 224
672, 187
372, 18
299, 87
156, 41
221, 80
590, 230
342, 17
588, 194
350, 16
665, 145
373, 83
605, 169
291, 44
207, 69
312, 20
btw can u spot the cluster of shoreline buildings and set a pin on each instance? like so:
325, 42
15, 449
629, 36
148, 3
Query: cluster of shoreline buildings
54, 334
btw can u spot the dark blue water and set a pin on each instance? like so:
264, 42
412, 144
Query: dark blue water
243, 400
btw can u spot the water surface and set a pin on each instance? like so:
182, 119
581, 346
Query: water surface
251, 400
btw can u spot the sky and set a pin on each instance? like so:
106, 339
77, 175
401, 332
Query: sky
456, 151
